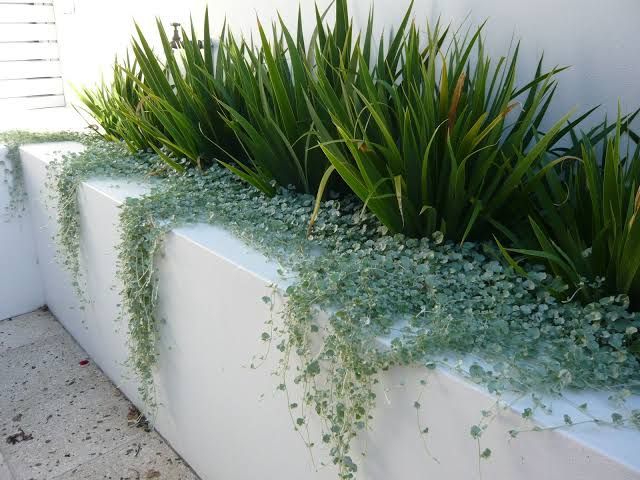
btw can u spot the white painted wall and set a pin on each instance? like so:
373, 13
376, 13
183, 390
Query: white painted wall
20, 283
226, 420
599, 39
92, 32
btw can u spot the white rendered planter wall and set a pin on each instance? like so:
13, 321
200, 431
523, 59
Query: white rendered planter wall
20, 282
226, 420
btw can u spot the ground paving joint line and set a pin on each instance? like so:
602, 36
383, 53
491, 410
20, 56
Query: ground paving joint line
69, 425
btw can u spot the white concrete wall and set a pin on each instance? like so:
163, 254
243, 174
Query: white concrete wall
226, 420
92, 322
599, 39
92, 32
20, 283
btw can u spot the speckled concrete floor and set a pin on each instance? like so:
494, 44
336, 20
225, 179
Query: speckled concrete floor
62, 419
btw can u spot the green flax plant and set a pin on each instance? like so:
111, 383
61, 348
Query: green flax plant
439, 139
278, 96
181, 98
275, 127
586, 224
106, 103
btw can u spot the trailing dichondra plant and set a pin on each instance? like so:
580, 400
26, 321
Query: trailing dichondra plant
458, 300
11, 167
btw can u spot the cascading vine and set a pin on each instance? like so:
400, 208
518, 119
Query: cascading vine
436, 297
11, 167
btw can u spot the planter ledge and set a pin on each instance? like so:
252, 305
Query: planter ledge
227, 420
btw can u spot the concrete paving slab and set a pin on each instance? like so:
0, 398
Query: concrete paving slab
67, 431
45, 365
23, 329
5, 473
146, 458
61, 418
22, 402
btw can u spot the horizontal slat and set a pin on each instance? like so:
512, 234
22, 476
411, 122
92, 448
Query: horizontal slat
29, 69
29, 87
27, 32
30, 2
28, 51
17, 13
30, 103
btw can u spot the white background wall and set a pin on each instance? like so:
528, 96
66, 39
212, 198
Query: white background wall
20, 281
601, 40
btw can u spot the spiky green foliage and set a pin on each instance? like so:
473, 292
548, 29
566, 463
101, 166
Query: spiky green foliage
430, 140
277, 88
180, 115
586, 222
118, 105
275, 127
426, 129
